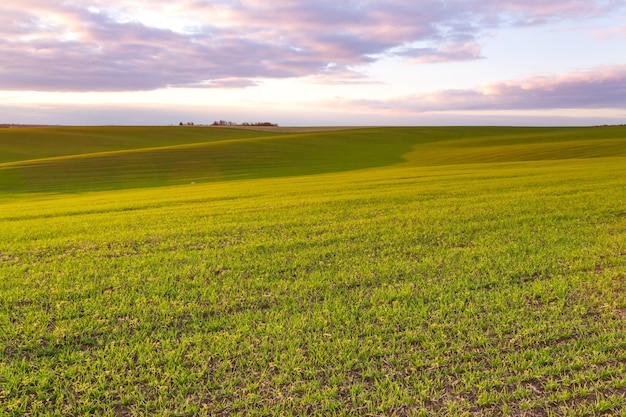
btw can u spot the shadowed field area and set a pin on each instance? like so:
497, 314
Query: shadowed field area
89, 159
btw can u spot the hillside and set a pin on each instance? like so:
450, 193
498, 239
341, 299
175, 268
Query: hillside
101, 158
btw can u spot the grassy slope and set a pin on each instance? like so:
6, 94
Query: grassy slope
233, 155
526, 144
80, 159
36, 143
483, 288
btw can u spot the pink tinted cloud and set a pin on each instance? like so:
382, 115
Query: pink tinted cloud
609, 33
595, 89
116, 45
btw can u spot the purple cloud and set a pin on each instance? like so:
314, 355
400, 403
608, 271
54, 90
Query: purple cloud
115, 46
597, 89
340, 75
446, 53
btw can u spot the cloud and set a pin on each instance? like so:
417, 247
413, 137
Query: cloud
340, 75
600, 88
115, 45
446, 53
224, 83
609, 33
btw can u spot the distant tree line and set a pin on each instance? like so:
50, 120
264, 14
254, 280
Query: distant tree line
227, 123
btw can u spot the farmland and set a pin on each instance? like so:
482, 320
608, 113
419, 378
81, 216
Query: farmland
380, 271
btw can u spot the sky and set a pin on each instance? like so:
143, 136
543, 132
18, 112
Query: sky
309, 63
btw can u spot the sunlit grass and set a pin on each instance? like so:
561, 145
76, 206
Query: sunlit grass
474, 288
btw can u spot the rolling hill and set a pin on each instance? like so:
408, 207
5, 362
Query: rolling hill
89, 159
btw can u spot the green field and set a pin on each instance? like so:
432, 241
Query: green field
168, 271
